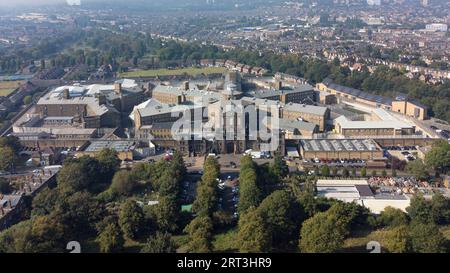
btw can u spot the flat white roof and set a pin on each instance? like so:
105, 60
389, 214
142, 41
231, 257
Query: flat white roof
344, 123
344, 182
379, 205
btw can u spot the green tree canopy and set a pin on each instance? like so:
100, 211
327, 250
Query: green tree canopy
393, 217
110, 238
250, 194
438, 158
283, 216
159, 243
253, 234
131, 219
426, 238
397, 239
323, 233
123, 183
200, 235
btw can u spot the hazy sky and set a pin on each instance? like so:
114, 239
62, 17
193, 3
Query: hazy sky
34, 2
29, 2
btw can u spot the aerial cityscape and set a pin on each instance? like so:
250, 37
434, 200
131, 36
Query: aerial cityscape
225, 126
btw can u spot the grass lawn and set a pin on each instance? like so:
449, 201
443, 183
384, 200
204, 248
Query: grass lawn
191, 71
181, 242
225, 242
359, 242
5, 92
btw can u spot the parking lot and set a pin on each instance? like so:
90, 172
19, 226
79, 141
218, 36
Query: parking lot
357, 163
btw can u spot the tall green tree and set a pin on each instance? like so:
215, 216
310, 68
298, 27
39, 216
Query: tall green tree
123, 183
250, 193
323, 233
283, 216
167, 214
418, 169
8, 158
109, 162
110, 238
253, 234
279, 167
207, 198
426, 238
325, 170
393, 217
131, 219
397, 239
200, 235
420, 209
438, 158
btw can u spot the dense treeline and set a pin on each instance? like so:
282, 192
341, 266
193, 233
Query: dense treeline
96, 203
105, 209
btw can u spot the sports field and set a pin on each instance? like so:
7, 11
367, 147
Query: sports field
191, 71
7, 87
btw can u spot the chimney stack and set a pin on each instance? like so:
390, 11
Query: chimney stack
279, 85
66, 94
186, 85
118, 88
101, 99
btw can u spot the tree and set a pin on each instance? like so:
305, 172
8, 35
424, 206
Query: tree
397, 239
109, 162
393, 217
384, 173
167, 214
283, 216
131, 219
426, 238
253, 234
16, 238
438, 158
322, 233
110, 238
420, 210
356, 216
7, 159
306, 195
200, 234
123, 183
250, 194
325, 170
418, 169
47, 235
168, 185
279, 167
363, 172
440, 209
27, 100
207, 196
374, 173
78, 175
78, 212
159, 243
11, 141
